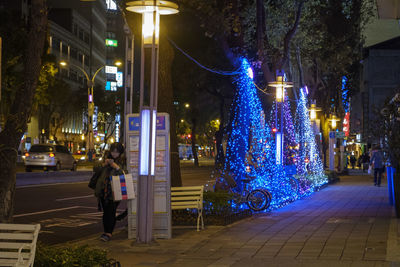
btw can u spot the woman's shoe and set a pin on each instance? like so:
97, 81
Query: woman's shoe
105, 238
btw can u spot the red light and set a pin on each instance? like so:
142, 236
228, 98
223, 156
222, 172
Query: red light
307, 160
274, 130
51, 155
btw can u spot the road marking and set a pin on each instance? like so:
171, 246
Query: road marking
71, 198
45, 211
40, 185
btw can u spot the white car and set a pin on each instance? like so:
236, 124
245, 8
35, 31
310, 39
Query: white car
46, 156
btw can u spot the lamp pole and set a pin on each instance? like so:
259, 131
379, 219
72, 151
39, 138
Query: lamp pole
90, 85
280, 84
151, 11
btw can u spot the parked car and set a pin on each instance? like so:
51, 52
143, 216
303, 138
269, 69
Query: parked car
80, 155
46, 156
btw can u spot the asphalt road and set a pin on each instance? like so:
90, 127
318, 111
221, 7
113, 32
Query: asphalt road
66, 208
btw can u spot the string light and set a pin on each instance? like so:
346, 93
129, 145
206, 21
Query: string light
220, 72
251, 148
309, 163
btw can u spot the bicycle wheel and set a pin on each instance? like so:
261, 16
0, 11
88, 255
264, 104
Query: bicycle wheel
259, 200
295, 185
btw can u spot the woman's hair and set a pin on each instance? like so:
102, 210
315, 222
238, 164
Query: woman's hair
117, 146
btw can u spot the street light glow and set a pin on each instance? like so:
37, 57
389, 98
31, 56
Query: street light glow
148, 27
280, 84
187, 105
63, 63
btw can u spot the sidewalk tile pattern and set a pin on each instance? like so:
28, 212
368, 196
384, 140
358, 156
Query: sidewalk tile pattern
345, 224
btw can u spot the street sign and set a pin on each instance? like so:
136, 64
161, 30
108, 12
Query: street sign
111, 42
340, 134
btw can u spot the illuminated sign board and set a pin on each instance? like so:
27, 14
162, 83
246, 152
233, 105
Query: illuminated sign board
111, 42
111, 5
111, 69
346, 124
111, 86
119, 78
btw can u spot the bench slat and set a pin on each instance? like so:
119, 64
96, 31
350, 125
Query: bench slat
21, 227
11, 245
181, 188
13, 255
8, 262
17, 236
183, 207
186, 206
186, 194
177, 198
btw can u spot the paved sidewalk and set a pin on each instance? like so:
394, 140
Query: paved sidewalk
346, 224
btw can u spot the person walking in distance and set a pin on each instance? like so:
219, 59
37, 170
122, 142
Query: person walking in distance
377, 163
352, 161
113, 164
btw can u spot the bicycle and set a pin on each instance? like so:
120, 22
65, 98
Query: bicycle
256, 199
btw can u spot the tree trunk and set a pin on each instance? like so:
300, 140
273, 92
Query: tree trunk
194, 149
16, 121
165, 104
261, 38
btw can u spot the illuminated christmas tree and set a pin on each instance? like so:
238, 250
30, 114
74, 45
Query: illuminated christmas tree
309, 161
250, 149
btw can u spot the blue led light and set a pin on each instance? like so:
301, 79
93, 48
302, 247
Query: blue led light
251, 148
309, 163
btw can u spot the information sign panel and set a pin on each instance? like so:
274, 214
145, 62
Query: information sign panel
162, 184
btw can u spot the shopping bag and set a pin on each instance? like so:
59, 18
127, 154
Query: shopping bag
370, 169
122, 187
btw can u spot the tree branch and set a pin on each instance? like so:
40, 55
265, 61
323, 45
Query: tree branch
289, 35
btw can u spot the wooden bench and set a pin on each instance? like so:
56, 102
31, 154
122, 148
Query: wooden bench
188, 197
18, 244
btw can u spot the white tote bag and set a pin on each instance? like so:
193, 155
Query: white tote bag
122, 187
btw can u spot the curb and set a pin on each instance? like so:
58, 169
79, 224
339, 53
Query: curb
52, 174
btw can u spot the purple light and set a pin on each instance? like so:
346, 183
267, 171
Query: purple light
90, 98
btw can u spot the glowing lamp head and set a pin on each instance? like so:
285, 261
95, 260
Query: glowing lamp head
280, 84
151, 24
313, 112
274, 130
63, 63
334, 119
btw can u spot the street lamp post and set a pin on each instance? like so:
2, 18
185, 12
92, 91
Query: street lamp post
90, 85
280, 84
151, 11
332, 142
